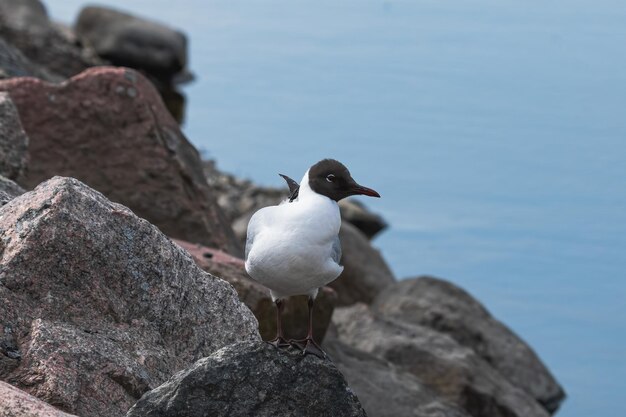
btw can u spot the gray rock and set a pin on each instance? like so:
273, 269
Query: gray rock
455, 372
129, 41
13, 140
253, 379
8, 190
97, 306
13, 63
30, 15
365, 271
444, 307
355, 212
385, 390
25, 25
17, 403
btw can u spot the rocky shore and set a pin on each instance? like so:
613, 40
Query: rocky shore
122, 288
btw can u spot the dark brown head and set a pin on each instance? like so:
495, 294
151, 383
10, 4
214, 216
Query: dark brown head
332, 179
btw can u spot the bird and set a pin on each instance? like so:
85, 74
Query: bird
293, 248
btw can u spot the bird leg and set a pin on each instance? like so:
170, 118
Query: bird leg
279, 341
308, 345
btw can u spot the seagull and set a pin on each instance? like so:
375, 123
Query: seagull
293, 248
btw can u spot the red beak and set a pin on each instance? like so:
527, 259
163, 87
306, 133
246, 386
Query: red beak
359, 189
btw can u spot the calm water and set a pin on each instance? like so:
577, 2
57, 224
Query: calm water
495, 131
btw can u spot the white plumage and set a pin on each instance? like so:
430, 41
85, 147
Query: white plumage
293, 248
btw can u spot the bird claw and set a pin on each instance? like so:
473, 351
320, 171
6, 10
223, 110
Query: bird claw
308, 346
279, 342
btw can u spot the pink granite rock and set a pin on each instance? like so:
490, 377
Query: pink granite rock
17, 403
108, 127
97, 306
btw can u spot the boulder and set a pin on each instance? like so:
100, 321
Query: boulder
25, 24
253, 379
13, 63
444, 307
97, 306
28, 15
108, 127
13, 141
365, 271
8, 190
130, 41
17, 403
257, 298
453, 371
384, 390
355, 213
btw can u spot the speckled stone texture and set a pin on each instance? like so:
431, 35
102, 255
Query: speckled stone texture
442, 306
13, 141
8, 190
257, 298
453, 371
108, 127
253, 379
97, 306
17, 403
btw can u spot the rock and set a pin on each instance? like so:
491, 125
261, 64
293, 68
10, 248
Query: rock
25, 25
253, 379
30, 15
355, 213
257, 298
17, 403
384, 390
454, 372
129, 41
8, 190
13, 63
108, 127
97, 306
442, 306
13, 140
365, 271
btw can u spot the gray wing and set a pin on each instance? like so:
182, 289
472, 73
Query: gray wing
335, 252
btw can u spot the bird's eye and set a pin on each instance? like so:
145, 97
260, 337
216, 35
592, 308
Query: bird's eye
330, 178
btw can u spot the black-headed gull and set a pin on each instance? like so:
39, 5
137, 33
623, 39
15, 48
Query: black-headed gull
293, 248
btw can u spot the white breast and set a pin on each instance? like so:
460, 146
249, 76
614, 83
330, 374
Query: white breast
291, 244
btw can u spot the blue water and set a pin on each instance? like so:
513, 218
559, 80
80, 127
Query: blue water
495, 131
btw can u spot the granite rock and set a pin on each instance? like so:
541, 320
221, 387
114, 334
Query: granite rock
109, 128
97, 306
453, 371
17, 403
8, 190
13, 141
444, 307
385, 390
253, 379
